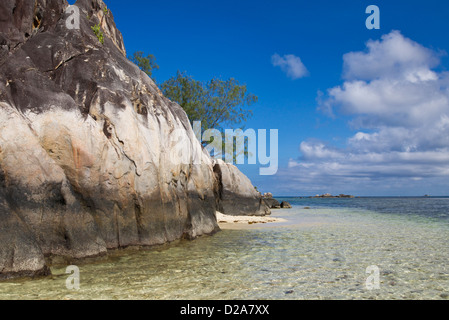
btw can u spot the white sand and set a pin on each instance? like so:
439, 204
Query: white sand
233, 222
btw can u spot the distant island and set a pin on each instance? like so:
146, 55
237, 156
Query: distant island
328, 195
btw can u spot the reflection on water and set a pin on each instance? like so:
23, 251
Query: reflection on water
322, 254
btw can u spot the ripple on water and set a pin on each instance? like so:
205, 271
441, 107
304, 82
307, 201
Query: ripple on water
322, 254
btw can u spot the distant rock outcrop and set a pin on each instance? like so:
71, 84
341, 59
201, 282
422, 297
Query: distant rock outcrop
328, 195
87, 142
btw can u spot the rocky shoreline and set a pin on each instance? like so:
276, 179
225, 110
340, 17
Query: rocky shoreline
272, 203
87, 145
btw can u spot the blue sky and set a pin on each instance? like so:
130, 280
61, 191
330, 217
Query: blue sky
356, 122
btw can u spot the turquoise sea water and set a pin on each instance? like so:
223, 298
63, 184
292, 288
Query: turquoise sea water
320, 253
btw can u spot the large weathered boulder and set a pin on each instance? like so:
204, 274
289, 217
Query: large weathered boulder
88, 144
272, 203
92, 155
237, 195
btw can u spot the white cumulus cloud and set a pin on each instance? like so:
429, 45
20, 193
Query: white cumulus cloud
394, 56
399, 107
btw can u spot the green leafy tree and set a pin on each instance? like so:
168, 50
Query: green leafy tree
216, 103
146, 64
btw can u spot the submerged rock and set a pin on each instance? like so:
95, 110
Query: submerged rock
88, 145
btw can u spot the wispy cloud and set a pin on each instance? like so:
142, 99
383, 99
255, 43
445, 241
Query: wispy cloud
291, 65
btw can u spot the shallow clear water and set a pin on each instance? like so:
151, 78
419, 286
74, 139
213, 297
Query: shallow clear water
321, 253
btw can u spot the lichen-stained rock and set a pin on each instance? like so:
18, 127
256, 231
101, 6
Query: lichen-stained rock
22, 256
38, 191
237, 195
87, 142
92, 155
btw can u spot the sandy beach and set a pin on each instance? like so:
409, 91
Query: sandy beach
244, 222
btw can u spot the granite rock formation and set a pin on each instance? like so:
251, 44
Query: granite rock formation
88, 143
237, 196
